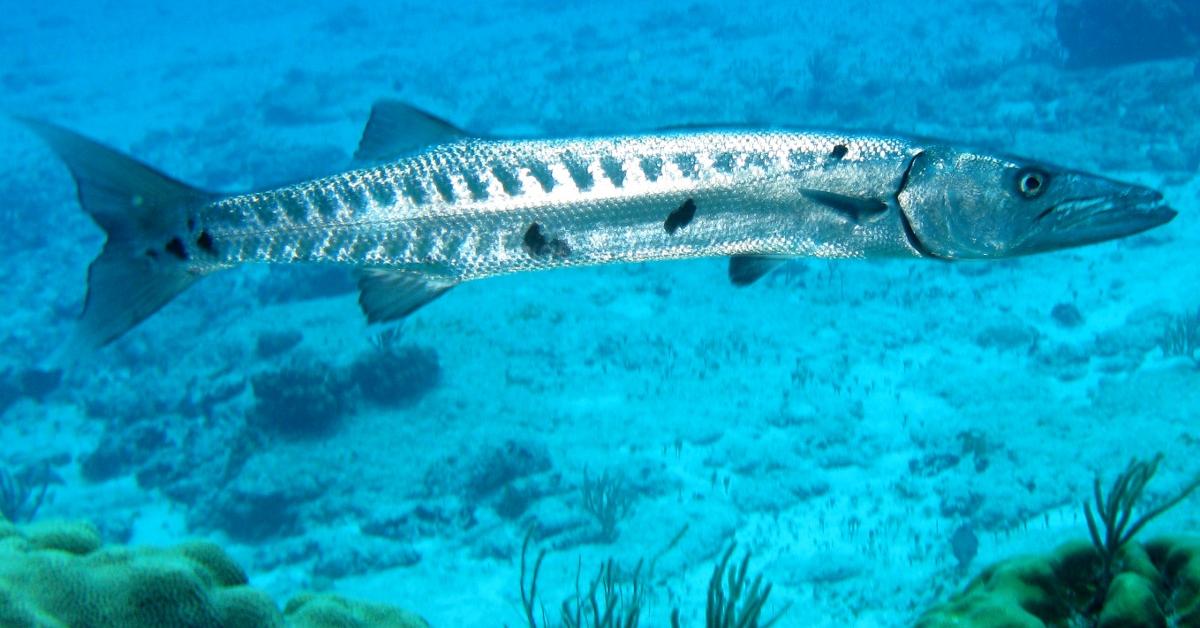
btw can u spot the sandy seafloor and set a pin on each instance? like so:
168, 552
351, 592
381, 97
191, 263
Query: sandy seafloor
839, 419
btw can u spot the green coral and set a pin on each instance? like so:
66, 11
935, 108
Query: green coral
1157, 584
1111, 582
325, 610
59, 574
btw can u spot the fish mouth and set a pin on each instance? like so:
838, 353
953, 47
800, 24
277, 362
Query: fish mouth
1087, 220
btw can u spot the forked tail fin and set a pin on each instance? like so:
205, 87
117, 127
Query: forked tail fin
145, 214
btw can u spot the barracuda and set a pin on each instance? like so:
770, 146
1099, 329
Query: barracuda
443, 207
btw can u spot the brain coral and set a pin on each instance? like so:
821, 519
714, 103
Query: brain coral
59, 574
1156, 584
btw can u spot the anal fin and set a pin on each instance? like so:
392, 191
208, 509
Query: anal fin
747, 269
387, 295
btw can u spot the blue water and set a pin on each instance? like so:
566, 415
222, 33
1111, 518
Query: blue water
842, 421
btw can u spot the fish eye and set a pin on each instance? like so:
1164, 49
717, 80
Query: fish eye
1031, 183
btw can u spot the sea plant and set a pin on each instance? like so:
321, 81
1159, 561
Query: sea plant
1115, 514
733, 600
1181, 336
529, 593
1109, 581
22, 494
615, 600
608, 499
607, 604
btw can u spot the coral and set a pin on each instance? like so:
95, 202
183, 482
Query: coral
59, 574
272, 344
302, 399
366, 554
261, 502
1113, 32
395, 374
33, 383
481, 473
1110, 582
123, 448
306, 398
1066, 315
1158, 584
324, 610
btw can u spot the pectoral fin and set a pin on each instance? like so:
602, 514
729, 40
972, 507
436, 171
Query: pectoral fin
388, 295
853, 207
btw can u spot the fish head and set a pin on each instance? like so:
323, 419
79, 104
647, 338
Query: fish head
962, 204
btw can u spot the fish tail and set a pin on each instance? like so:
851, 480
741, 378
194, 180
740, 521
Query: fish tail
146, 216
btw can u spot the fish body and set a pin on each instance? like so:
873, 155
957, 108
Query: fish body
440, 206
477, 208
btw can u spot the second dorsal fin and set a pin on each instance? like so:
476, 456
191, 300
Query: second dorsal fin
397, 128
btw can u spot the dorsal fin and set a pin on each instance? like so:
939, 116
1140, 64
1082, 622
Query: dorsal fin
388, 295
747, 269
396, 129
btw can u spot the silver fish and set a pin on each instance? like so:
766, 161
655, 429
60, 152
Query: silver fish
444, 207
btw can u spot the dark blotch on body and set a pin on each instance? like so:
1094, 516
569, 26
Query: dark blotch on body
839, 151
534, 240
175, 247
205, 242
681, 217
539, 246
